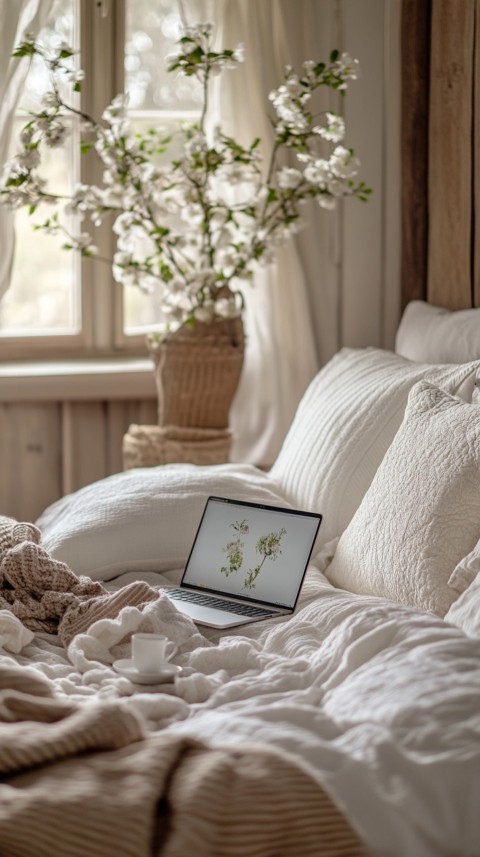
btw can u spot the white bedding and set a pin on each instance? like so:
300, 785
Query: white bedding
382, 702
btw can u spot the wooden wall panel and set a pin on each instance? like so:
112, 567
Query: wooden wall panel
476, 161
120, 415
362, 231
30, 460
92, 437
415, 47
84, 458
50, 449
450, 196
441, 220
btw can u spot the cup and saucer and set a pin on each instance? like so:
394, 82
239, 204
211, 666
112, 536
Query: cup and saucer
149, 663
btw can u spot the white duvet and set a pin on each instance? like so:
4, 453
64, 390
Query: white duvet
381, 702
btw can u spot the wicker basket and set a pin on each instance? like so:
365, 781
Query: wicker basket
197, 370
149, 446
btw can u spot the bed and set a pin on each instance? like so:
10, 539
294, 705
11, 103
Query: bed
350, 728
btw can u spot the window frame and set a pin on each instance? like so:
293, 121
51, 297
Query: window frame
102, 39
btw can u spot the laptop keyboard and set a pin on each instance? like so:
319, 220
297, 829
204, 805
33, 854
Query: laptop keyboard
218, 603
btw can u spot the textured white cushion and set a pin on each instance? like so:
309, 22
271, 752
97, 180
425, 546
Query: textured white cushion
144, 519
465, 611
421, 514
431, 334
466, 570
344, 425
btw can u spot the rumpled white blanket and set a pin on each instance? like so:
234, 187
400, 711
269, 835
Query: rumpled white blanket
13, 635
381, 702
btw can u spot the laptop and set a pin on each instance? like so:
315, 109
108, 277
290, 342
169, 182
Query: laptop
247, 563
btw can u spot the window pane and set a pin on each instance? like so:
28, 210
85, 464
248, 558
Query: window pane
60, 27
43, 297
152, 27
157, 99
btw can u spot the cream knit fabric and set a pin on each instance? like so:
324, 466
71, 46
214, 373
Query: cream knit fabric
46, 595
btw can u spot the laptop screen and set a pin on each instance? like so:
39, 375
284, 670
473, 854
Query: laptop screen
250, 551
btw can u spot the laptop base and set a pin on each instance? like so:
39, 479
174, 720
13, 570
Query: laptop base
212, 617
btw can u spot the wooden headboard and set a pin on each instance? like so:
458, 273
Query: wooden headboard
441, 152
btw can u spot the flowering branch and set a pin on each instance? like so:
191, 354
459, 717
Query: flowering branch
204, 222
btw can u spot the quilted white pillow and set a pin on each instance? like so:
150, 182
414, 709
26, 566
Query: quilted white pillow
144, 519
465, 611
432, 334
421, 514
466, 570
344, 425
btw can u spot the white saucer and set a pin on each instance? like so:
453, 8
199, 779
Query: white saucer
126, 667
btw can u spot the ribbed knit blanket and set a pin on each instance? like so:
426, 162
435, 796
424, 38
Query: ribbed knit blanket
46, 595
78, 780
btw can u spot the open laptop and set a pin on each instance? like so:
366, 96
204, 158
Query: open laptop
247, 563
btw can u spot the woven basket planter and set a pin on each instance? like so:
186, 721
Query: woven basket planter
197, 371
148, 446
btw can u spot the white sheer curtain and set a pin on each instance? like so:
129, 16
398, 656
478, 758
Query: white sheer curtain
17, 17
281, 356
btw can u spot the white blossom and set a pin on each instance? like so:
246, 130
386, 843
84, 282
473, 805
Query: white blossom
193, 214
347, 67
202, 223
334, 130
289, 178
239, 53
29, 158
343, 163
83, 242
205, 313
226, 308
328, 202
51, 100
76, 75
116, 109
317, 171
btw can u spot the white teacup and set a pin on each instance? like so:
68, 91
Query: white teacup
149, 652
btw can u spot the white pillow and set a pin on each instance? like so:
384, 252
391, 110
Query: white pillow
431, 334
466, 570
465, 611
344, 425
144, 519
421, 514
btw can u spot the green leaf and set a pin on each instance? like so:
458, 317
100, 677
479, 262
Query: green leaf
161, 231
334, 55
166, 273
16, 182
196, 55
24, 50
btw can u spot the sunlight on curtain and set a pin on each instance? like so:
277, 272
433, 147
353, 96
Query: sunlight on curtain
281, 356
16, 19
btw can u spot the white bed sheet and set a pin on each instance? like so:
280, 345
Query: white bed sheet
381, 702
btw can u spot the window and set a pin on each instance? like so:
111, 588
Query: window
57, 304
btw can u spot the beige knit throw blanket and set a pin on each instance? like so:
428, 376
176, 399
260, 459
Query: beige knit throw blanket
83, 780
46, 595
